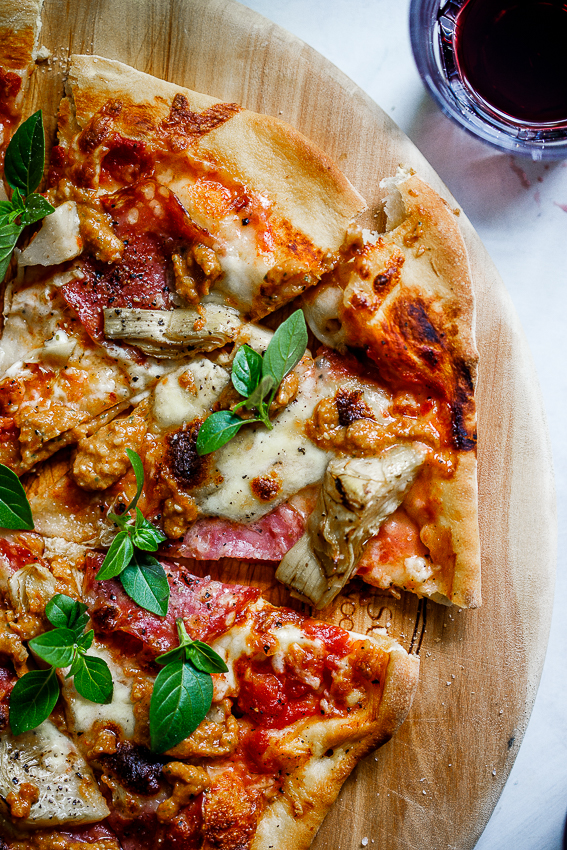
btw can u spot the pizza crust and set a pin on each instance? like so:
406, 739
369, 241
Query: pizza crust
337, 747
20, 24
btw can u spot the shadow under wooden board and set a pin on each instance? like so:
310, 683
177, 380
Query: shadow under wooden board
435, 784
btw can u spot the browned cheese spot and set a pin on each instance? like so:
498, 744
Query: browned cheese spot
266, 487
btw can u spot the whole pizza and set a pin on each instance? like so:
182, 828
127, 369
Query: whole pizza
206, 364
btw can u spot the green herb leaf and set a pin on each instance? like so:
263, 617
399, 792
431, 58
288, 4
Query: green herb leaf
36, 208
25, 156
93, 679
145, 582
246, 370
86, 641
204, 658
138, 468
15, 511
118, 557
286, 348
17, 201
176, 654
123, 521
56, 647
180, 700
216, 430
9, 233
33, 699
145, 535
256, 400
77, 661
67, 613
5, 209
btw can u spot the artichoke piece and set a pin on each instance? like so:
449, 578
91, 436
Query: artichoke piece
356, 496
173, 333
46, 760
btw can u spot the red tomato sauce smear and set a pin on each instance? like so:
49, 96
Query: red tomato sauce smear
275, 696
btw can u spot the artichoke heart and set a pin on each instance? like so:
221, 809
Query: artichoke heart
173, 333
357, 495
60, 784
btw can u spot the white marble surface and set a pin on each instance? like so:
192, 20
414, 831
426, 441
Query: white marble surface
519, 209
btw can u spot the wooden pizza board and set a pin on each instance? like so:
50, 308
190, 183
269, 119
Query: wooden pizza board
435, 784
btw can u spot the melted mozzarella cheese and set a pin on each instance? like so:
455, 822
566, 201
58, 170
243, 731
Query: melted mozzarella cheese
290, 634
231, 646
119, 711
242, 275
174, 405
283, 455
49, 760
57, 241
58, 348
30, 320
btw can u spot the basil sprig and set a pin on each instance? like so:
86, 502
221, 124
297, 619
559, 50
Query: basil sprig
23, 169
257, 379
183, 690
15, 510
34, 696
142, 576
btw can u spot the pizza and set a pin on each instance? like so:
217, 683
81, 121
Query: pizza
204, 356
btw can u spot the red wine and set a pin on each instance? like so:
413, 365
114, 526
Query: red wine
513, 53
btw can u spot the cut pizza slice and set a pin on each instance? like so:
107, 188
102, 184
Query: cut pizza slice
242, 208
407, 302
301, 703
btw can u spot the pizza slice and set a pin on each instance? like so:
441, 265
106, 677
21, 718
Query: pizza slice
300, 703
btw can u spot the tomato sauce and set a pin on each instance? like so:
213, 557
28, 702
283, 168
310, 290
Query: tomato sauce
273, 701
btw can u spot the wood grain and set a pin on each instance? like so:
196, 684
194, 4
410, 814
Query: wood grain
435, 785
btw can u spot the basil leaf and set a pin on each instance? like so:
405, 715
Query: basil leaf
93, 679
64, 612
216, 430
261, 391
86, 641
5, 209
9, 233
77, 661
15, 511
144, 535
138, 468
56, 647
145, 582
180, 700
36, 208
286, 348
25, 156
177, 654
117, 558
17, 201
246, 370
123, 521
33, 699
204, 658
